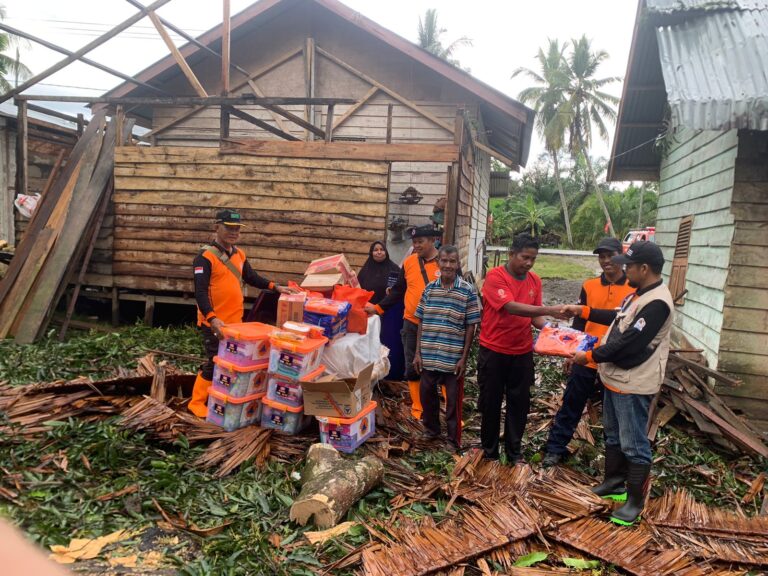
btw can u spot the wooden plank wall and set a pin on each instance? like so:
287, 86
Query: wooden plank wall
464, 207
42, 157
480, 201
744, 336
296, 210
697, 177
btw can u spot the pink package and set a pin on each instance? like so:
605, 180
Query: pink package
337, 263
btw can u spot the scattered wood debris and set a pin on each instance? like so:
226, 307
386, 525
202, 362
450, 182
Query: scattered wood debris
687, 390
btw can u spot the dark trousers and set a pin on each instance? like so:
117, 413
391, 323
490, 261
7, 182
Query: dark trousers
210, 349
408, 335
500, 375
581, 386
430, 402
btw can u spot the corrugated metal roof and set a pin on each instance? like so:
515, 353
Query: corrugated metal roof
671, 6
715, 69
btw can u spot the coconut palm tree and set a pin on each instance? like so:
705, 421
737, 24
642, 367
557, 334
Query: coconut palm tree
429, 38
526, 212
10, 68
546, 99
587, 107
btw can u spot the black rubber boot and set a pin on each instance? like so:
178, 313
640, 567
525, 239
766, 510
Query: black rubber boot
637, 476
613, 485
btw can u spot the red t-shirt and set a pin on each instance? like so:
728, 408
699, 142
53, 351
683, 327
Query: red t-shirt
501, 331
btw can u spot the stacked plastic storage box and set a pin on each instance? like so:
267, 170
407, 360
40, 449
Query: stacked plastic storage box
240, 375
293, 357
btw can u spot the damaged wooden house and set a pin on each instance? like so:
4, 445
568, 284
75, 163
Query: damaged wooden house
694, 117
325, 129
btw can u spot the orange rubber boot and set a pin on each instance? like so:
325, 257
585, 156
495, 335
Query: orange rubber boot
445, 394
413, 386
199, 403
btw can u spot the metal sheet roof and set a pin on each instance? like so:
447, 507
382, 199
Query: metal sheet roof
706, 60
671, 6
716, 71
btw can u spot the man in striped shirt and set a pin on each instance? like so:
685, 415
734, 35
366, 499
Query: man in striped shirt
448, 313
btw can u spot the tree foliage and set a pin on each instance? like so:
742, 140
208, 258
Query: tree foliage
430, 38
12, 70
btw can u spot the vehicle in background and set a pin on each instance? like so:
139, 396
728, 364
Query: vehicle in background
643, 234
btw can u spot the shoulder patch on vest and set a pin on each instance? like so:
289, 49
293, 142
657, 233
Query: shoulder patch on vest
640, 324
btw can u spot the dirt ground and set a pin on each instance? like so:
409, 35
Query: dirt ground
561, 291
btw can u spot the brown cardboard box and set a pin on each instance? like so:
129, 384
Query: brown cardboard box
322, 282
337, 263
338, 398
290, 307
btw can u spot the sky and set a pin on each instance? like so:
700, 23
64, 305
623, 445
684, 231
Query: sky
506, 35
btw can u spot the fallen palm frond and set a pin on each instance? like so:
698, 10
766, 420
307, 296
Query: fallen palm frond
706, 532
630, 549
235, 448
420, 549
409, 485
480, 477
562, 499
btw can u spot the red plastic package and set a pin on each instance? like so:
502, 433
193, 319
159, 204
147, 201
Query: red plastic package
562, 341
357, 319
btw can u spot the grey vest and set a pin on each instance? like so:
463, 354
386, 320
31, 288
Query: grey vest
646, 378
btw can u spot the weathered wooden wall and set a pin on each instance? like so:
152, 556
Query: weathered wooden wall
296, 210
464, 206
279, 63
44, 147
744, 335
697, 178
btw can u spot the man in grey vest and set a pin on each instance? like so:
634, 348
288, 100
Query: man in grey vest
631, 361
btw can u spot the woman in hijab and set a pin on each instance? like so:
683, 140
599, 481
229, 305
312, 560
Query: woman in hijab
379, 272
377, 275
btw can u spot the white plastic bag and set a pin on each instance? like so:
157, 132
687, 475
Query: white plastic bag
26, 204
347, 356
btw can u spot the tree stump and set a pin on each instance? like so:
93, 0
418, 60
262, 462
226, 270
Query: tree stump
330, 485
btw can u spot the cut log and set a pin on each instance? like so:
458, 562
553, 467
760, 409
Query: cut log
331, 485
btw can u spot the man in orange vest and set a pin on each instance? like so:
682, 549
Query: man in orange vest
221, 270
606, 291
418, 270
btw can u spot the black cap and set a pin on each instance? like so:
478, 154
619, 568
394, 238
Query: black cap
228, 217
641, 253
425, 231
608, 244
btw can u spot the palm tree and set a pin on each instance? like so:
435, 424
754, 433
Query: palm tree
429, 38
587, 107
10, 67
546, 99
526, 211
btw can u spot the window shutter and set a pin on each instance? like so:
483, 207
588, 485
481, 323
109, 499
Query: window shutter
680, 260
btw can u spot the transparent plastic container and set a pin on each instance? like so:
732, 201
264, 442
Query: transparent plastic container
239, 381
288, 419
233, 413
245, 344
288, 391
346, 434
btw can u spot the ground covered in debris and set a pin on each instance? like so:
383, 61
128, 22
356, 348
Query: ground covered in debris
73, 467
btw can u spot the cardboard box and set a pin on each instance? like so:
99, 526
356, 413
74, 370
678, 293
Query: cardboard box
334, 264
290, 307
338, 398
322, 282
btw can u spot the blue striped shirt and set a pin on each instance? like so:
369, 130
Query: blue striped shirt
445, 315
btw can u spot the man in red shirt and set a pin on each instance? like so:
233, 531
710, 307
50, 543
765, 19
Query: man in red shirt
511, 305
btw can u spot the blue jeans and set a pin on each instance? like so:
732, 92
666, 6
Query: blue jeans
625, 422
581, 386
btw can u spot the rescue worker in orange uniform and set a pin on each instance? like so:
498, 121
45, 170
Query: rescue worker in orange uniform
220, 271
607, 291
418, 270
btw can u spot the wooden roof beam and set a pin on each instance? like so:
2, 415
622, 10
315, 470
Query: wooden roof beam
258, 122
355, 107
252, 78
186, 100
182, 63
81, 52
56, 48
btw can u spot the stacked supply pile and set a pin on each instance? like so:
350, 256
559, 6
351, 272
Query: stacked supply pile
240, 375
295, 355
343, 408
330, 315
